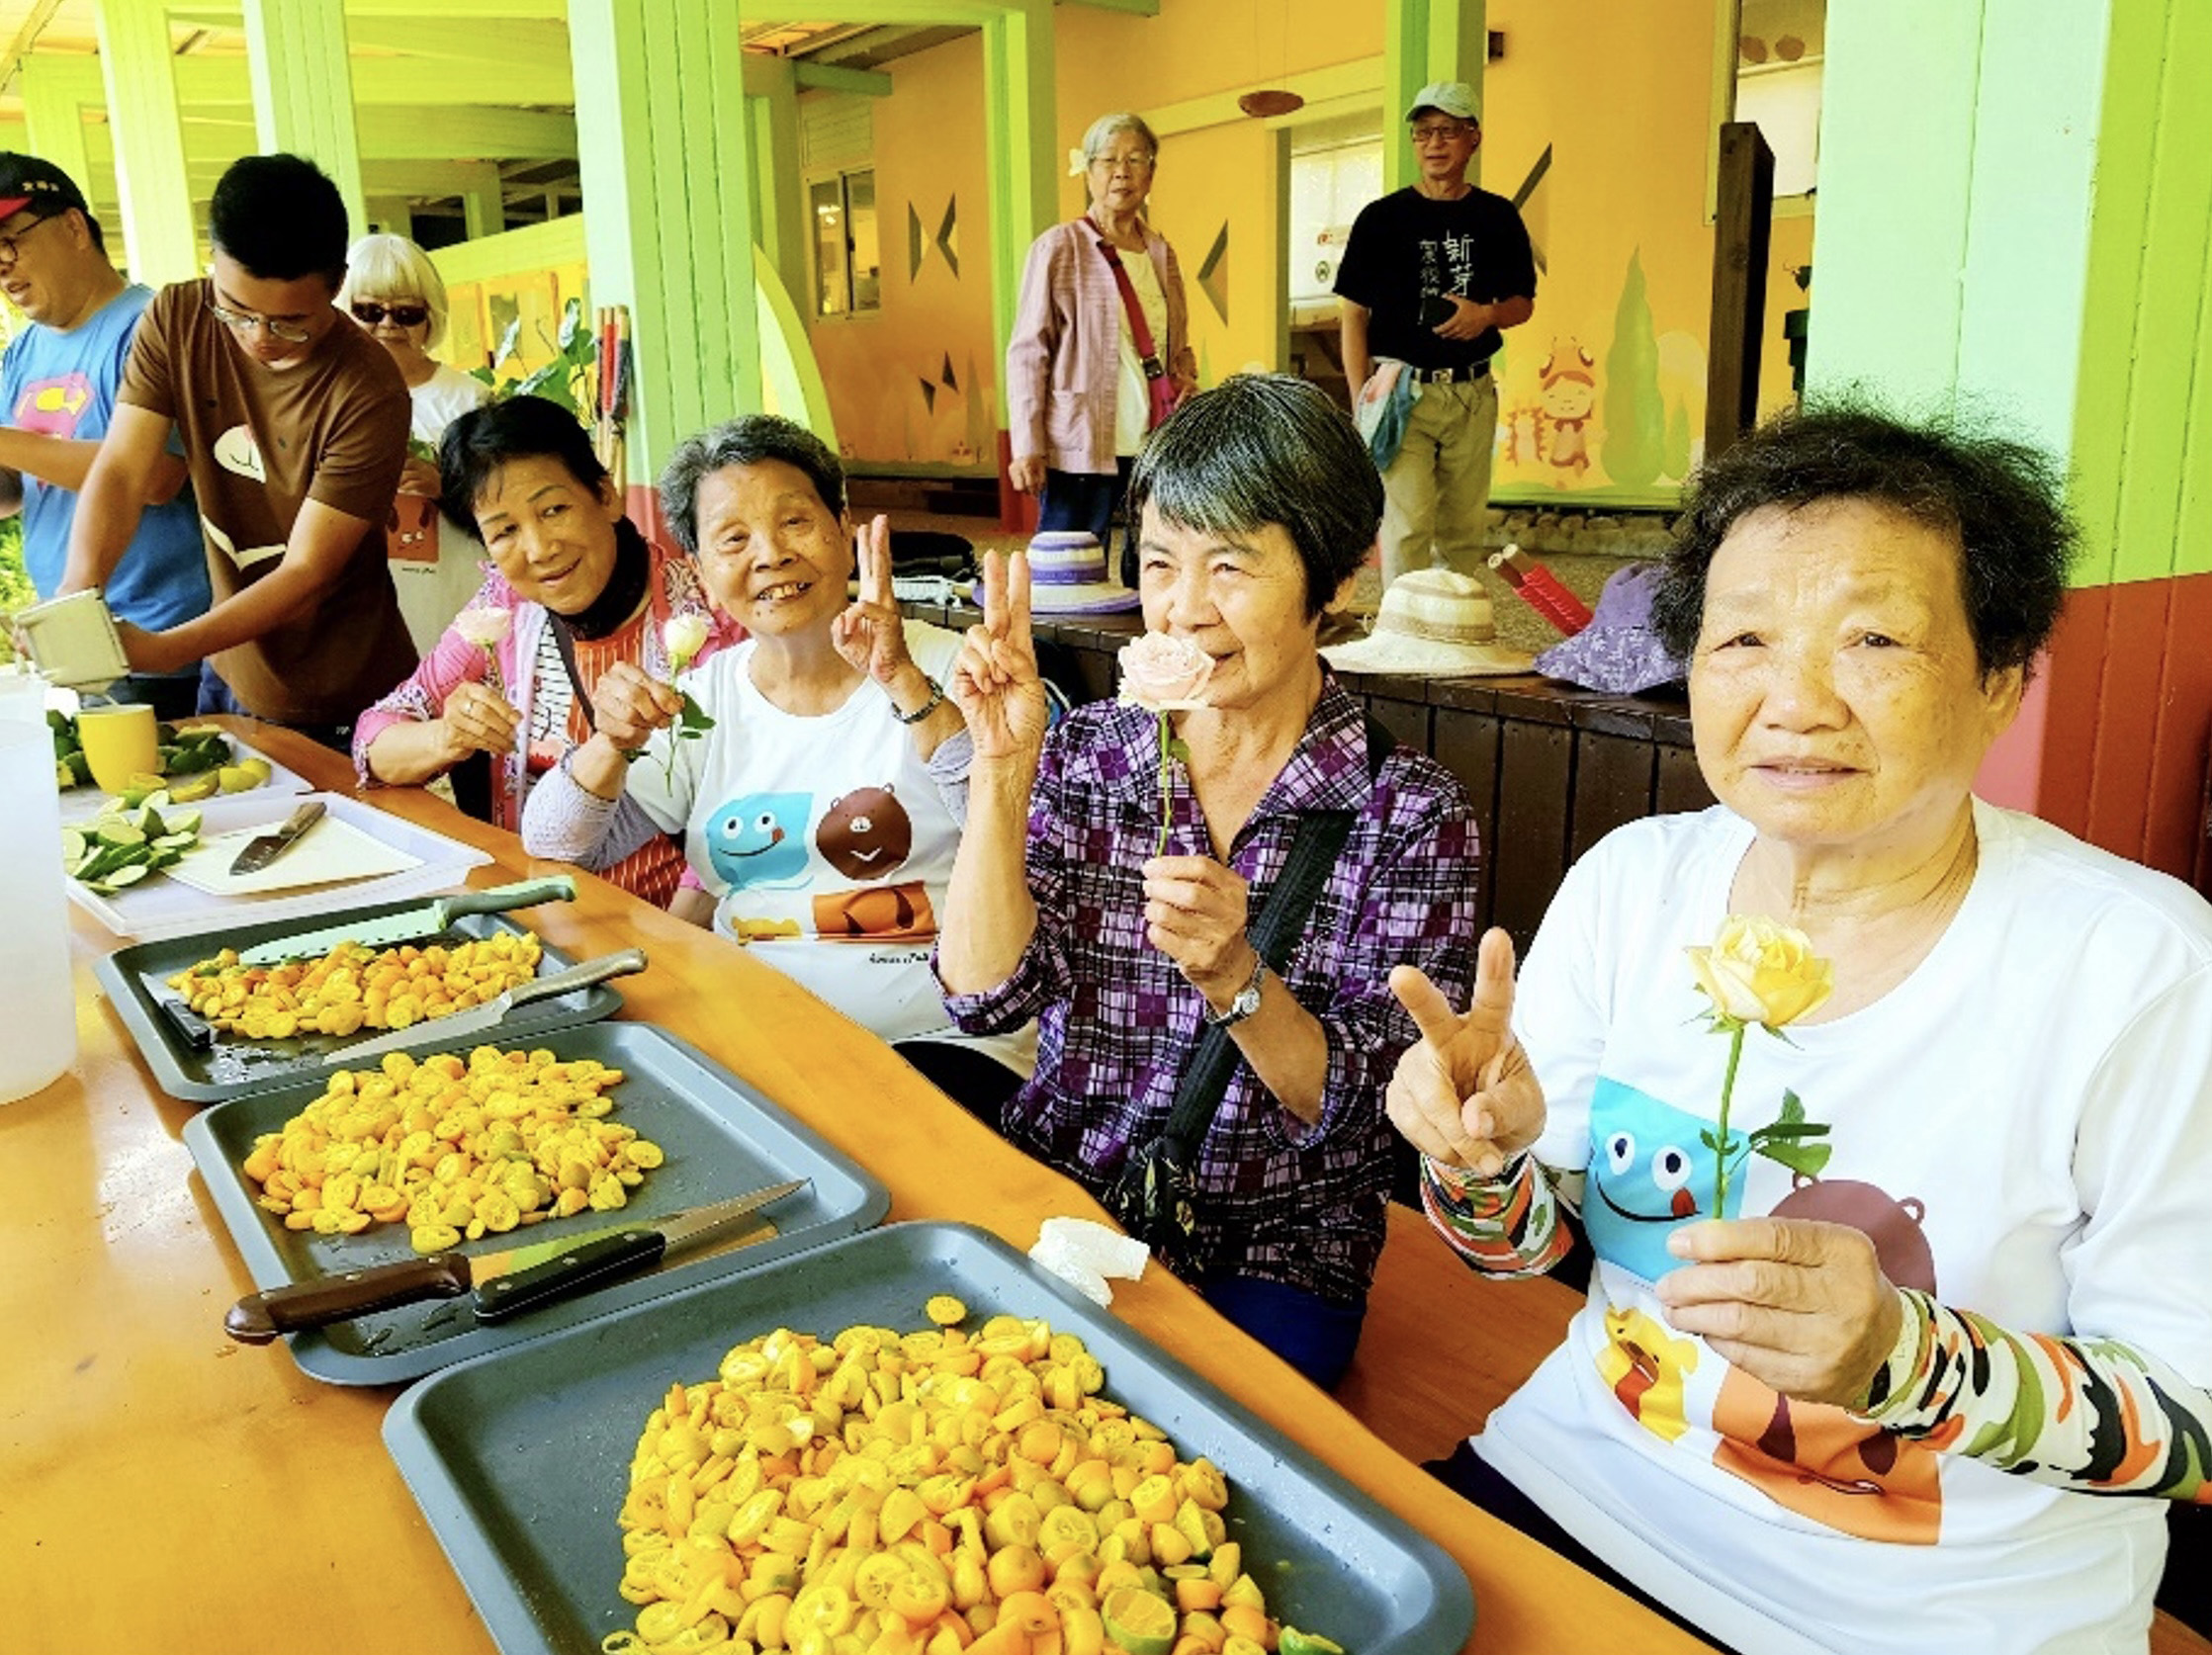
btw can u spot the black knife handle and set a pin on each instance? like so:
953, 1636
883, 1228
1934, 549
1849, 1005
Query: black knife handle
580, 1269
192, 1028
259, 1317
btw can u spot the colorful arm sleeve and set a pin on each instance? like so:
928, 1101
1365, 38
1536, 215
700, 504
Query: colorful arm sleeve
1507, 1227
2094, 1415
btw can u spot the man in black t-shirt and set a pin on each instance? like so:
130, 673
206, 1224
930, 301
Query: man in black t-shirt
1431, 275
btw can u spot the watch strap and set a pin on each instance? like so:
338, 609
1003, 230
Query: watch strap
937, 700
1243, 1004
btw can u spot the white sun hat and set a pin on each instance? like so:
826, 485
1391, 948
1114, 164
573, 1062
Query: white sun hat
1435, 623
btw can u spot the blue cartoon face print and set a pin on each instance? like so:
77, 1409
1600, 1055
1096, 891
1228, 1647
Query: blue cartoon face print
1650, 1172
761, 839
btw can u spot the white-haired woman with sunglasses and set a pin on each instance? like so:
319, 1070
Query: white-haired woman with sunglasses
394, 292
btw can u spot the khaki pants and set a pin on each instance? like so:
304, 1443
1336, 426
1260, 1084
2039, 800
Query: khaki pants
1438, 488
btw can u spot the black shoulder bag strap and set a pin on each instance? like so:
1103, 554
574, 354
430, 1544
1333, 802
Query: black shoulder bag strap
1156, 1195
568, 648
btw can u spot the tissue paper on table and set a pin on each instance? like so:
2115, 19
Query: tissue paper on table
1083, 1255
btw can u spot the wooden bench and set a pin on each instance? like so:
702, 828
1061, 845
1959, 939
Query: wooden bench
1443, 1347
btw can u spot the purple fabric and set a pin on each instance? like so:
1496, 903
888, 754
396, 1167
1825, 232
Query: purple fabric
1618, 650
1280, 1200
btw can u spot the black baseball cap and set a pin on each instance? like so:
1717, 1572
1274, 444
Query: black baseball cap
28, 181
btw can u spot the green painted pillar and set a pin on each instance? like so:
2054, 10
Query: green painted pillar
54, 119
2017, 218
1425, 41
484, 202
665, 153
303, 89
160, 242
1022, 152
779, 208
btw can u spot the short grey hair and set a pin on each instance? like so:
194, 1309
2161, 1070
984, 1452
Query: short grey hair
746, 440
390, 267
1103, 130
1260, 448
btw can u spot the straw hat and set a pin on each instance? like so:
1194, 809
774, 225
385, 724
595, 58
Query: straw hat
1435, 623
1068, 577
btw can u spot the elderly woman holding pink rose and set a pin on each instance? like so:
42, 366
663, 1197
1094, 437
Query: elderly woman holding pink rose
1124, 881
573, 588
1888, 1113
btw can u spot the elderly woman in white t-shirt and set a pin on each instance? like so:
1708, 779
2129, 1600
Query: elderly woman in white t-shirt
396, 294
819, 808
1929, 1376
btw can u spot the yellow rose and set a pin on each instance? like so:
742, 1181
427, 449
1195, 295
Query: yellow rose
1758, 971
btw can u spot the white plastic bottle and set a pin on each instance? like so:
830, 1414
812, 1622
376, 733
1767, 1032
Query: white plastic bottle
39, 1026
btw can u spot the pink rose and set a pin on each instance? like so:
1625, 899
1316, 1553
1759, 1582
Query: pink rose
485, 627
1163, 674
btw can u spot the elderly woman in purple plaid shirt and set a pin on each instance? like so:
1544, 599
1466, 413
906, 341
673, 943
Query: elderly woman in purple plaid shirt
1256, 502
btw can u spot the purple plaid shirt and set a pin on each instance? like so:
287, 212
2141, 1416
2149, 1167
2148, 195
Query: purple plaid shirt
1278, 1199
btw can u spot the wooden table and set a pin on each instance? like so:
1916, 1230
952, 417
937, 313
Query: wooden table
164, 1489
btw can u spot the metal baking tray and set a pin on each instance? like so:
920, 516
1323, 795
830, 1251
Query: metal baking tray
137, 979
722, 1139
520, 1460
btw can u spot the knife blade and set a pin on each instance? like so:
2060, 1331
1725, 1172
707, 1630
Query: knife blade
542, 1271
464, 1025
267, 848
416, 923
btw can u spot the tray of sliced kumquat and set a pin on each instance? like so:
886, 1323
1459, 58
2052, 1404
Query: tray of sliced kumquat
905, 1443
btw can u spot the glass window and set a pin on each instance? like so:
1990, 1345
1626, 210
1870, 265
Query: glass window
832, 284
862, 251
847, 251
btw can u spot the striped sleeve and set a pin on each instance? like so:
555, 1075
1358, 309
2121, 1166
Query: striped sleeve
2091, 1415
1504, 1227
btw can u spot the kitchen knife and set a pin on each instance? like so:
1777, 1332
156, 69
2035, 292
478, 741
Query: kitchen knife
267, 848
447, 1032
503, 1282
414, 926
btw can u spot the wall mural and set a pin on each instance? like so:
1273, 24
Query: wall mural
1213, 273
946, 241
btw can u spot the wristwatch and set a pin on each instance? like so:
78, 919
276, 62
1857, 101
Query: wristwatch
1246, 1002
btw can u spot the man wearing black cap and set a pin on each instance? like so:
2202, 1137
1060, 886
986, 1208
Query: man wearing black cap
57, 394
1430, 276
295, 426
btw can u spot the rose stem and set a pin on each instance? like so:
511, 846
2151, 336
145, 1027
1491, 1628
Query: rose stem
1167, 797
1721, 1155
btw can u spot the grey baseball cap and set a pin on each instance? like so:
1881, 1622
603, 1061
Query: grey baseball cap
1448, 97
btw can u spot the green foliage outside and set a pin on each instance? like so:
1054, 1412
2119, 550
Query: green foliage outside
1635, 442
15, 580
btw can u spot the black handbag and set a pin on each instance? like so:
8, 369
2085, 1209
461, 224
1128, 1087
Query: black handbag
1155, 1197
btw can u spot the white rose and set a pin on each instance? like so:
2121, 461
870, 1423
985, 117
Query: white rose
683, 636
485, 627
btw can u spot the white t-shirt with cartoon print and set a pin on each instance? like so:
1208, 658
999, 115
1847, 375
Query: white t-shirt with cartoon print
2024, 1129
823, 839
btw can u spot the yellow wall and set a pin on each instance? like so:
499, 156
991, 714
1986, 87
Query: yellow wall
929, 153
1626, 110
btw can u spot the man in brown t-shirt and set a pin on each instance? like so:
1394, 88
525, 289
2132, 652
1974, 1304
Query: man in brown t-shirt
295, 426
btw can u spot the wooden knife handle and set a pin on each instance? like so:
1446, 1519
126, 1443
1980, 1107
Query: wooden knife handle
258, 1318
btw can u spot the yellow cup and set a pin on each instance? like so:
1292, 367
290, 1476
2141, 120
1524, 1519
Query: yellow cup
120, 742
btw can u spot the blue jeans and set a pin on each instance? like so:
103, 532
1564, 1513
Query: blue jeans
216, 697
1314, 1334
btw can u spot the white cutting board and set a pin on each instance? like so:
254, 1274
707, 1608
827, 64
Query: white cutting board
331, 851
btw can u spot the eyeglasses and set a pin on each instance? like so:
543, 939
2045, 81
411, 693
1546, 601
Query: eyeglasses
239, 322
369, 313
1441, 131
11, 244
1141, 161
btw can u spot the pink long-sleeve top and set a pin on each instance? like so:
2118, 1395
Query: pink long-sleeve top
1063, 361
675, 589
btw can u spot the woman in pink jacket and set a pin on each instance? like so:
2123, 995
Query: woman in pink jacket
1080, 374
578, 588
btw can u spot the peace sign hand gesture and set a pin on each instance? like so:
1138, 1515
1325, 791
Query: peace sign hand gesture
869, 634
1466, 1095
995, 682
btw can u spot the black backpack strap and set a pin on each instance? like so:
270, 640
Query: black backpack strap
564, 643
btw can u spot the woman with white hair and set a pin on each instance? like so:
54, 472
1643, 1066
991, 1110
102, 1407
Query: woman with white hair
1101, 350
394, 292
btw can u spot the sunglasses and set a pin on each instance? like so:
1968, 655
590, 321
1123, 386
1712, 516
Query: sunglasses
369, 313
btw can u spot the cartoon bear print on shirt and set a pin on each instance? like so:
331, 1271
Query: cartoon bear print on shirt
1816, 1459
761, 840
866, 834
